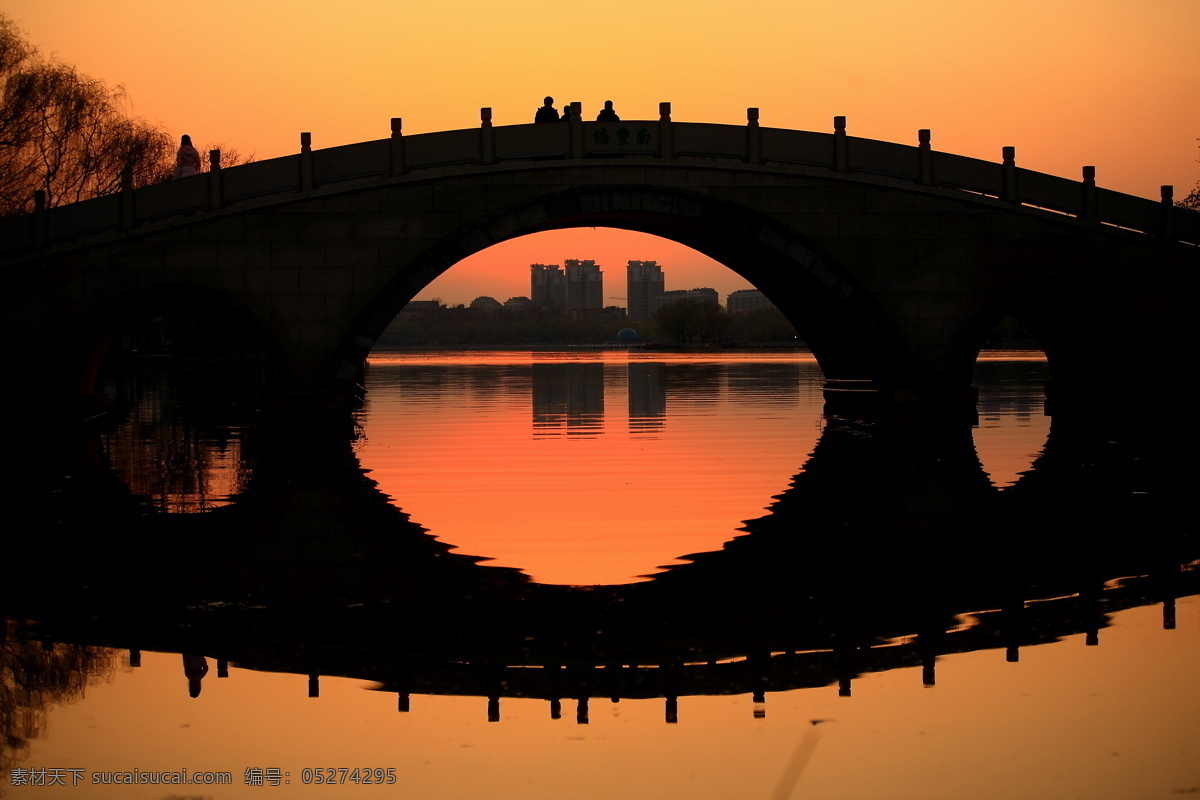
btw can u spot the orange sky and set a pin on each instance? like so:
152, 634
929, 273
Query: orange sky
1108, 83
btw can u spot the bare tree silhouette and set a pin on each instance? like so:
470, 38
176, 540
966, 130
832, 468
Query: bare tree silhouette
71, 136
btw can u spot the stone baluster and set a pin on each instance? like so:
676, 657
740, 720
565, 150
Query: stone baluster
216, 194
924, 158
1009, 155
666, 146
753, 137
575, 124
487, 137
1091, 212
398, 166
40, 223
307, 184
841, 146
1168, 211
127, 205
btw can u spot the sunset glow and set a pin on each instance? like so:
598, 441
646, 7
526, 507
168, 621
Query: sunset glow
904, 523
1110, 84
1091, 738
575, 474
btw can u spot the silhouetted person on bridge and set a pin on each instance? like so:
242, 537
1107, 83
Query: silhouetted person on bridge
547, 113
607, 115
187, 160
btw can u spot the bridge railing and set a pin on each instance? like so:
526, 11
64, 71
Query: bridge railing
447, 148
805, 148
515, 142
969, 174
261, 178
350, 162
400, 156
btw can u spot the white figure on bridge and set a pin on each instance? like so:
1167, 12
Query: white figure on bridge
187, 160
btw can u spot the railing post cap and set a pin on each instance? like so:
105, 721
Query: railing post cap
752, 114
306, 138
664, 111
1167, 192
1009, 153
1089, 174
485, 113
923, 135
839, 124
214, 159
397, 125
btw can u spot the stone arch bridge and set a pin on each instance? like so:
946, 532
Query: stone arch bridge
893, 261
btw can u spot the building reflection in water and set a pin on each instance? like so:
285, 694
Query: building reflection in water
647, 397
568, 398
890, 548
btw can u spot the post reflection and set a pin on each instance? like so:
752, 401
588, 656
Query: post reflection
822, 589
888, 557
568, 399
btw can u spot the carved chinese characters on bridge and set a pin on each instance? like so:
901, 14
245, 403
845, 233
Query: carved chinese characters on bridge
620, 138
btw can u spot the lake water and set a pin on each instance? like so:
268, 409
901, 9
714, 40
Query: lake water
598, 573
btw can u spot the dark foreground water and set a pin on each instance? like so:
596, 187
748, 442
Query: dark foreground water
568, 575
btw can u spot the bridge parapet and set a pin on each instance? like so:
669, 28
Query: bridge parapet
411, 157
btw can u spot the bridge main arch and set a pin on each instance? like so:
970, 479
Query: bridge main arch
888, 258
835, 316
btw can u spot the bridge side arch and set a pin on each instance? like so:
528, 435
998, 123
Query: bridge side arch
194, 320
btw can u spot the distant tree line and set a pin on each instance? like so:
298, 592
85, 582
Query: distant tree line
687, 321
69, 135
693, 324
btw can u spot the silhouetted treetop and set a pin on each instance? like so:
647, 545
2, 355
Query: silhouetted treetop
70, 135
1192, 200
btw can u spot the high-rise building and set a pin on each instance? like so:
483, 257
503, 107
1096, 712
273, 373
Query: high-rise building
644, 285
548, 287
585, 284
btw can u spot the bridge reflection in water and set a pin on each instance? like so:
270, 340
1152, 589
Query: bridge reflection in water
890, 548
